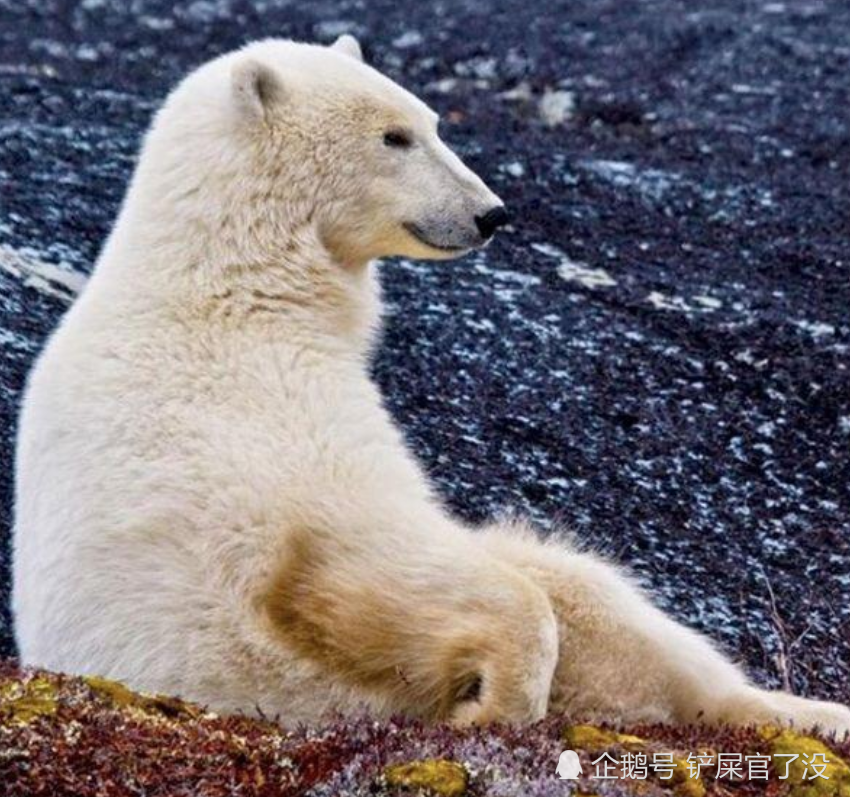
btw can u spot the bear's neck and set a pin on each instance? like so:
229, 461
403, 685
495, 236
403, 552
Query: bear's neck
285, 285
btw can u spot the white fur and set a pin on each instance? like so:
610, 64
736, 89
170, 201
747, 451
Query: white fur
201, 436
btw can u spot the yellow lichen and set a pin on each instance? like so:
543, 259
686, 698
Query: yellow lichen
682, 783
597, 740
122, 697
437, 776
800, 770
23, 701
116, 693
692, 787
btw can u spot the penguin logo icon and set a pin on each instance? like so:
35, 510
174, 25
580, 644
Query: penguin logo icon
569, 767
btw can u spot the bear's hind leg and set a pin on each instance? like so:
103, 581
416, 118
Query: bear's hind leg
622, 658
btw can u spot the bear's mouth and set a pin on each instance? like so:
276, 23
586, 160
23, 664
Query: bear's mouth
419, 234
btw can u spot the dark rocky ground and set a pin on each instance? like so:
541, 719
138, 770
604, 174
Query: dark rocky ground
657, 355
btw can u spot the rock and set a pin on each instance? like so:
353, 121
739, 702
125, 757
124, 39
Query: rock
598, 740
411, 38
23, 701
801, 751
122, 697
556, 107
434, 776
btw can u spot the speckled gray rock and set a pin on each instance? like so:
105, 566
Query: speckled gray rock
656, 355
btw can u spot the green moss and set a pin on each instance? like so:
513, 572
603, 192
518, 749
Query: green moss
686, 786
681, 784
23, 701
786, 742
596, 740
437, 776
592, 739
114, 692
120, 696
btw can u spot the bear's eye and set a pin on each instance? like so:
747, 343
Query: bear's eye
398, 139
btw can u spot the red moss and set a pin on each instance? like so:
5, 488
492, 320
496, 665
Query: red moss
68, 737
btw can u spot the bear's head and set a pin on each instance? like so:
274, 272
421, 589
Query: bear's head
287, 137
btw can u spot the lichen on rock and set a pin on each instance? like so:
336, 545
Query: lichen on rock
435, 776
597, 740
67, 736
836, 773
120, 696
23, 701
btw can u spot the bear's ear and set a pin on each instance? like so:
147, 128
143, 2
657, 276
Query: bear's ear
256, 88
348, 45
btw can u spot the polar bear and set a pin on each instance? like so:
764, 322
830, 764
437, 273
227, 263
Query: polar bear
212, 500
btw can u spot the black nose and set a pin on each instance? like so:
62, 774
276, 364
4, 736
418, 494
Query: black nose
491, 221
